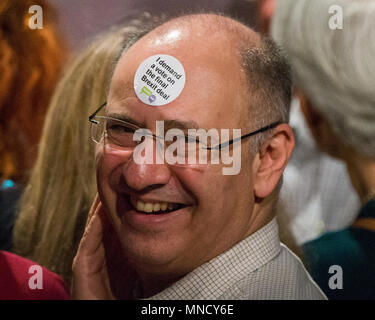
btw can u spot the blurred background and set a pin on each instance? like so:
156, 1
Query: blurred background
80, 20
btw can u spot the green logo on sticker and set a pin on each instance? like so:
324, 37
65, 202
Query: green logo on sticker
146, 91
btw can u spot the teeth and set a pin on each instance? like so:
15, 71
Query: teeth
148, 207
154, 207
140, 205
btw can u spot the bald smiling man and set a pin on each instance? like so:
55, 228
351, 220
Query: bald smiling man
176, 229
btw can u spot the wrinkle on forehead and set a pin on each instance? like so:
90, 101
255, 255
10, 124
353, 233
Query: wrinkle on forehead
120, 89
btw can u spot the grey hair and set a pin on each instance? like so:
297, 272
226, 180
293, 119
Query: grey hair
270, 81
334, 68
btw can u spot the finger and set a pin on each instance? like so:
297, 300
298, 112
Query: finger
93, 235
93, 208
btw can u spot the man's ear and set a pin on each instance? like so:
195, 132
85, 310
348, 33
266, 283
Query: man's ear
272, 159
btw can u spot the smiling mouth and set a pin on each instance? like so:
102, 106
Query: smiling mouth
156, 207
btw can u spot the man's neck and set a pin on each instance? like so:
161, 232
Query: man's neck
264, 211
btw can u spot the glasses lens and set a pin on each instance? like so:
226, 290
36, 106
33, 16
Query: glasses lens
97, 131
185, 149
121, 133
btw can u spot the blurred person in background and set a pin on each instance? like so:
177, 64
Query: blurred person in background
334, 75
265, 10
30, 62
81, 20
317, 195
23, 279
54, 206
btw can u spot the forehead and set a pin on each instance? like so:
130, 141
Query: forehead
214, 94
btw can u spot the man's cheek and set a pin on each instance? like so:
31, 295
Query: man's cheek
194, 177
104, 167
106, 163
107, 194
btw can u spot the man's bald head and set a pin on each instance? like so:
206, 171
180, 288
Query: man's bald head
214, 26
265, 70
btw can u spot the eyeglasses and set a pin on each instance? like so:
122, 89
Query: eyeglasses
127, 135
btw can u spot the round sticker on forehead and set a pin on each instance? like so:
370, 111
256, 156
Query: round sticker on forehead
159, 80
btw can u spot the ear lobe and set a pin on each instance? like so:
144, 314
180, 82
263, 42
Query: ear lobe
272, 160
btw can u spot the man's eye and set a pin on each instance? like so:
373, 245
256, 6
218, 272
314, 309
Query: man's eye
118, 128
190, 139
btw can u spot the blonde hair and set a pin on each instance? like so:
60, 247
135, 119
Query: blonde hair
334, 68
54, 206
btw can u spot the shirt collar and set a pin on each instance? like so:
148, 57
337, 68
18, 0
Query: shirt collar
213, 278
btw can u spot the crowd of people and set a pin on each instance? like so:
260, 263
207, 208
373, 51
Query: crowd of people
293, 77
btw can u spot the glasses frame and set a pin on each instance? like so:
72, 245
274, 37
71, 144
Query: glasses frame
218, 147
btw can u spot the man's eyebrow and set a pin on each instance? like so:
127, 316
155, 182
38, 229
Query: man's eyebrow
168, 124
179, 124
124, 117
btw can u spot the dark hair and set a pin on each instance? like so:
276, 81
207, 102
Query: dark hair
269, 77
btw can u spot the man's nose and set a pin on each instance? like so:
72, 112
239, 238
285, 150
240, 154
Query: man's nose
139, 176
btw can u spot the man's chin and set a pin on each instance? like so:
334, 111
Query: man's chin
154, 254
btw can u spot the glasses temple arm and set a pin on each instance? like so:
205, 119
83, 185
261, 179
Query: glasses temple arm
228, 143
91, 118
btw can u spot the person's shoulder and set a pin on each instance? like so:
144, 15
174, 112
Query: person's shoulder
331, 240
23, 279
282, 278
333, 248
344, 251
291, 275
